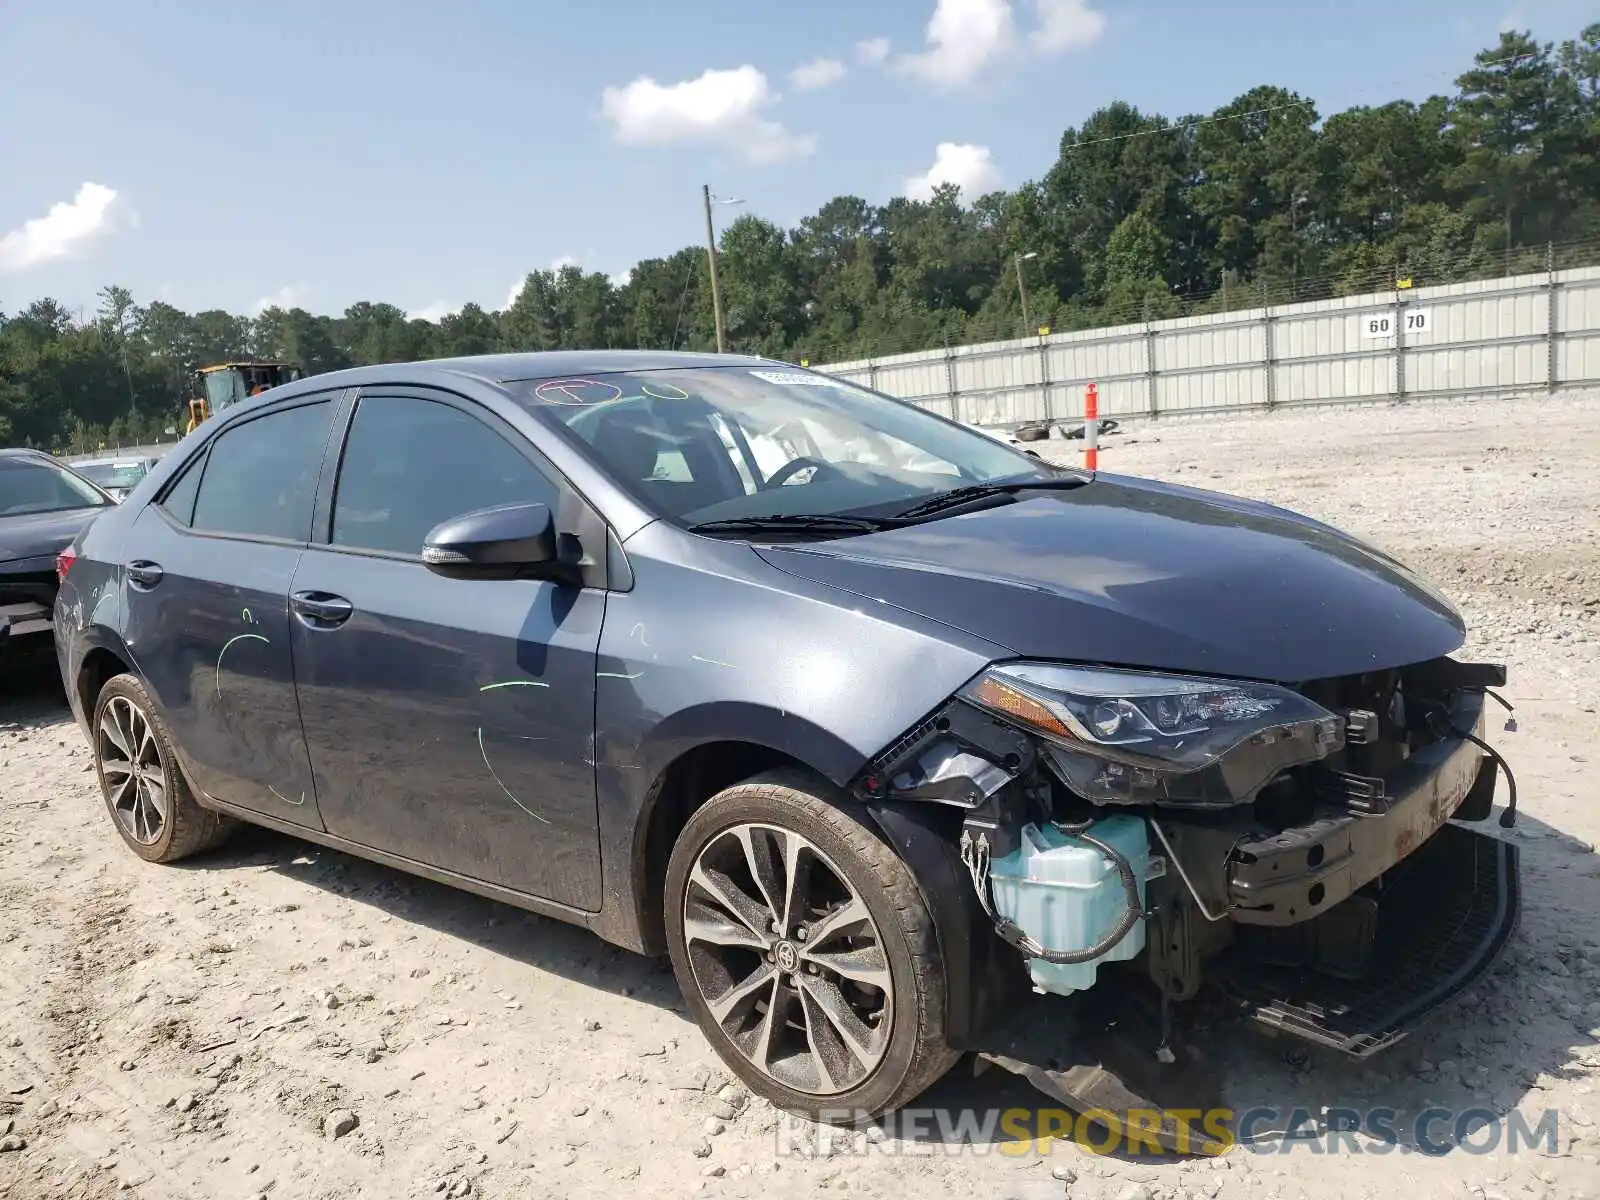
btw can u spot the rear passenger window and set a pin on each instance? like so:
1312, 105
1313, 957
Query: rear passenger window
261, 477
410, 464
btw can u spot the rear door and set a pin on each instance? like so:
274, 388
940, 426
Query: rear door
449, 721
206, 572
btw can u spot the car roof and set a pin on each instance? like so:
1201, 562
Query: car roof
495, 370
506, 368
509, 368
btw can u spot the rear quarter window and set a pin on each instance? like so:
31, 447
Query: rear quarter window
179, 500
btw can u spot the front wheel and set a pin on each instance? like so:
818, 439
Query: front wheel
805, 950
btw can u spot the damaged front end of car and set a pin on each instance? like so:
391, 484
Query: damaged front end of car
1145, 846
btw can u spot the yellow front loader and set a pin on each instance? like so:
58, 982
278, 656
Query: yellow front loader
226, 384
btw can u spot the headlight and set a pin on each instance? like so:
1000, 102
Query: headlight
1133, 737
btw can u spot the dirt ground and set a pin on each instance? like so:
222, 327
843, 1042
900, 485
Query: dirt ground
206, 1030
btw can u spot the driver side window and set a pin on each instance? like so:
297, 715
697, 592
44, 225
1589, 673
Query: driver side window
410, 464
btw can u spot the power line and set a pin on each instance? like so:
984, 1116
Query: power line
1186, 125
677, 326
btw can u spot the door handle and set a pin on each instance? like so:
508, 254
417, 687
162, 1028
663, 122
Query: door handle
144, 574
321, 610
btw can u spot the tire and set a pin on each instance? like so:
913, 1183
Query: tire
889, 936
184, 828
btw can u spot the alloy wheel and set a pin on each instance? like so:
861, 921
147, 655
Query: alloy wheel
788, 959
135, 775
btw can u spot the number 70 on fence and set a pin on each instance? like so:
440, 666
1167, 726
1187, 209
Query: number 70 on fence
1384, 324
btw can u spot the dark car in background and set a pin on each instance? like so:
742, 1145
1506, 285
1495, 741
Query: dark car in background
898, 741
44, 505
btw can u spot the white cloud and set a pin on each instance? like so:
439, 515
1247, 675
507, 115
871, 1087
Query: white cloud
434, 312
565, 261
622, 279
872, 51
964, 37
1066, 25
65, 230
720, 108
516, 290
965, 165
968, 37
818, 73
290, 295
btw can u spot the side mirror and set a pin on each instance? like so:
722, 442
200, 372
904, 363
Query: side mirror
507, 542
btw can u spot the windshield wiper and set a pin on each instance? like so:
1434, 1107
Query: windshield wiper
796, 523
982, 491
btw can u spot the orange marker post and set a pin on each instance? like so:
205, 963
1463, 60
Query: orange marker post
1091, 427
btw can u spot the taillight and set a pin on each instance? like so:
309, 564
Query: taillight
64, 562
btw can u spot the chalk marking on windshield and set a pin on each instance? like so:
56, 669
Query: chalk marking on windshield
618, 674
490, 766
566, 391
669, 391
489, 687
243, 637
714, 662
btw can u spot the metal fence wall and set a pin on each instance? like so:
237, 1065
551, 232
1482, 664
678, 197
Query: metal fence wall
1522, 334
152, 450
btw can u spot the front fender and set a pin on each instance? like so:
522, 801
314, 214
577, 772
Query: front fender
714, 645
786, 733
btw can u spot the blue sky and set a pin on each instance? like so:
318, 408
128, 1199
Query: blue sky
428, 154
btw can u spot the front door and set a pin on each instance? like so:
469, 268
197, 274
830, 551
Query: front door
449, 721
208, 608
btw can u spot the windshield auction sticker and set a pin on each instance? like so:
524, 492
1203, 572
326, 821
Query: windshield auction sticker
794, 379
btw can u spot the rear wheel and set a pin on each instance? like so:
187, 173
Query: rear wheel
805, 950
146, 794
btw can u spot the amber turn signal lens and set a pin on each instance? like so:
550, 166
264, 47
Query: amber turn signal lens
1024, 708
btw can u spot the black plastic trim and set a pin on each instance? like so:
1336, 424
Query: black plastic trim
1440, 954
1292, 876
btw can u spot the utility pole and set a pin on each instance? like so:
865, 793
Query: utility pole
711, 258
1022, 289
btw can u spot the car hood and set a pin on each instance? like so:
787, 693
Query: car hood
38, 535
1130, 572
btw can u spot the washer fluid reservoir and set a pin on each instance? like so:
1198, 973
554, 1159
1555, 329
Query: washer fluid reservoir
1067, 895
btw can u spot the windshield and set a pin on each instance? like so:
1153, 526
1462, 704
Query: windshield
707, 444
224, 388
31, 486
113, 475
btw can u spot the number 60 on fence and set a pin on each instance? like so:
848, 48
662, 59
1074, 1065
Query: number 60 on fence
1384, 324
